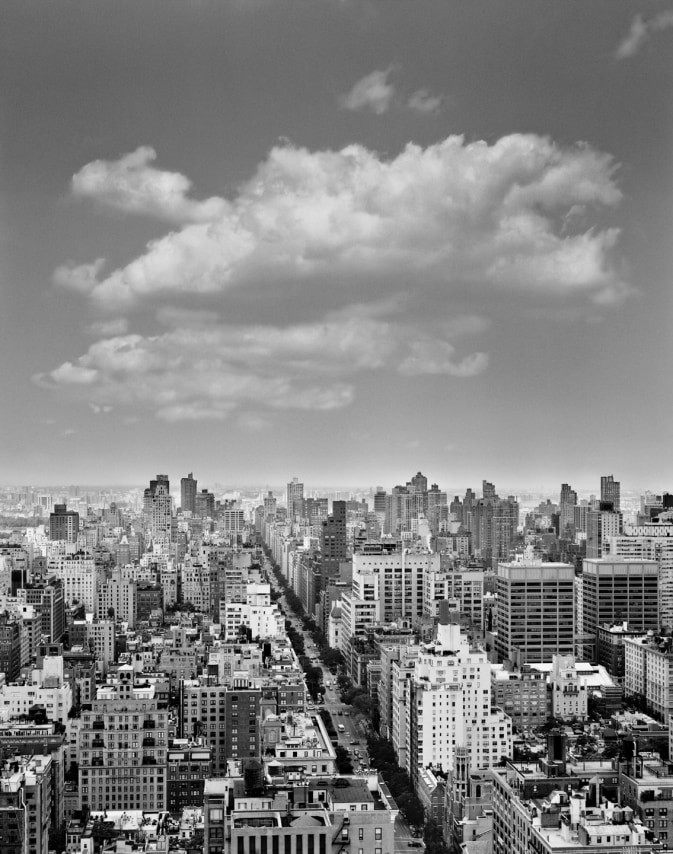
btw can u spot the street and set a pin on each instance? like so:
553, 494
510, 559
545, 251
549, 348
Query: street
354, 729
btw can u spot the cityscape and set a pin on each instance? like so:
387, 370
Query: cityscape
336, 499
185, 669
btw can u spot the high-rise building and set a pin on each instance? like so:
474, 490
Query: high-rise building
188, 493
333, 543
158, 512
505, 521
123, 742
47, 597
450, 703
26, 796
270, 504
602, 522
652, 540
10, 646
616, 590
204, 504
535, 617
63, 524
295, 499
567, 505
610, 491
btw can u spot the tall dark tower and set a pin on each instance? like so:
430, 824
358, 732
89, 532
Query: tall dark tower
610, 491
333, 543
188, 493
63, 524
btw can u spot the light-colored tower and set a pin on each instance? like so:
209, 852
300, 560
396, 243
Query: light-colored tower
158, 512
451, 703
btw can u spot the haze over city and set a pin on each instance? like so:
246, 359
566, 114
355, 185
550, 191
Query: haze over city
343, 240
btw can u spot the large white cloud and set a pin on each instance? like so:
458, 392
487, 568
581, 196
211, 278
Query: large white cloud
209, 370
455, 213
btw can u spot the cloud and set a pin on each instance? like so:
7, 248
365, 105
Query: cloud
437, 357
456, 214
132, 185
107, 328
82, 278
214, 371
641, 31
423, 101
373, 92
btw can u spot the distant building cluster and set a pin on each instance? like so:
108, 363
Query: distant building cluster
220, 672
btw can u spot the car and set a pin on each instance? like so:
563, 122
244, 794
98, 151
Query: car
354, 741
339, 712
413, 844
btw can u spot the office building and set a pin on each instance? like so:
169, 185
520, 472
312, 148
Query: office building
535, 616
650, 540
616, 590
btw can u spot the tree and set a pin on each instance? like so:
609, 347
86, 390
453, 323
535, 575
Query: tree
343, 760
411, 807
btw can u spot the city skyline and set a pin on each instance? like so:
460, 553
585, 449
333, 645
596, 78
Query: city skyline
342, 240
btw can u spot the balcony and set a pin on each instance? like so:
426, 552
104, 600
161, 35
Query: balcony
149, 724
149, 760
148, 741
98, 725
98, 742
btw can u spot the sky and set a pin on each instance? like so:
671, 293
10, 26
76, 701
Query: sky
339, 240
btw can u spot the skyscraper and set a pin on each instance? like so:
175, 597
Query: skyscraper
295, 499
188, 493
610, 491
63, 524
617, 590
333, 543
158, 511
601, 524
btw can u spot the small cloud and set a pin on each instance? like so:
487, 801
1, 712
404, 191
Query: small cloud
100, 409
373, 92
133, 185
431, 358
423, 101
253, 422
68, 432
109, 328
81, 278
641, 31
